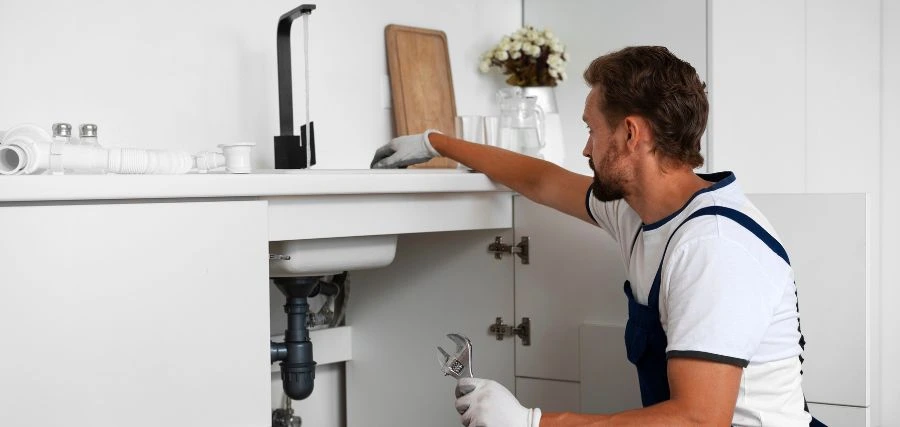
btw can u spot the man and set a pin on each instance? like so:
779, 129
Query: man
713, 326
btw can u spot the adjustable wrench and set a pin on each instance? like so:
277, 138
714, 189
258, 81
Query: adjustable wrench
458, 365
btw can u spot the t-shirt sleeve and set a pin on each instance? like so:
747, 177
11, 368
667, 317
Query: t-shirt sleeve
719, 302
604, 214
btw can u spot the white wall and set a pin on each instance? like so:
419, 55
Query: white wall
590, 28
796, 107
190, 75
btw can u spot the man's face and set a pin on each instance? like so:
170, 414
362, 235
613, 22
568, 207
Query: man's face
604, 152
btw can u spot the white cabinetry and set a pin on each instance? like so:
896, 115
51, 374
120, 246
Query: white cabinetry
439, 283
114, 308
833, 290
841, 416
144, 300
780, 87
139, 314
575, 276
758, 92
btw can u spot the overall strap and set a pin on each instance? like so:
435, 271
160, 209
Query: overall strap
751, 225
736, 216
628, 291
634, 240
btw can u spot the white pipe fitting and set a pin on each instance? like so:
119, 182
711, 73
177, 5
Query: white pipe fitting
28, 149
12, 159
237, 156
20, 151
208, 160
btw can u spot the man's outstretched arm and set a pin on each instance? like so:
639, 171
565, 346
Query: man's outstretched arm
536, 179
703, 393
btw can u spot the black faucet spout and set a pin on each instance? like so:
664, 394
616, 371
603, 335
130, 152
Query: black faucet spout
291, 151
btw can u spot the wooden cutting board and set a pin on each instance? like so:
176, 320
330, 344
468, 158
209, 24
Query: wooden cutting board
421, 83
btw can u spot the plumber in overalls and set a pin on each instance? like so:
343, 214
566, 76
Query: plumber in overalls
713, 320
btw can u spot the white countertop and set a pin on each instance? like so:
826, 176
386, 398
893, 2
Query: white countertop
29, 188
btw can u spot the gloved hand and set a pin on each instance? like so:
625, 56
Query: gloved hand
486, 403
404, 151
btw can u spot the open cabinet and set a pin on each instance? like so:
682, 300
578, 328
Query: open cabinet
571, 291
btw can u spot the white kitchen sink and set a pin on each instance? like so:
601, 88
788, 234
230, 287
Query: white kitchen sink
321, 257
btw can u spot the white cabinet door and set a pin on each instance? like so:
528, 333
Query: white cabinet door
841, 416
608, 380
757, 91
549, 395
439, 283
144, 314
575, 276
826, 237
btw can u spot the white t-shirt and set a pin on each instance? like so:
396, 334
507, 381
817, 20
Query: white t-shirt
724, 295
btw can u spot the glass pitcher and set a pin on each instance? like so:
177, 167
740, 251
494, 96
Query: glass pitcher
521, 122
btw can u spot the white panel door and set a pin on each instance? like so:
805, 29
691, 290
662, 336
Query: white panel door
757, 64
841, 416
609, 382
145, 314
575, 276
590, 28
826, 239
439, 283
843, 65
549, 395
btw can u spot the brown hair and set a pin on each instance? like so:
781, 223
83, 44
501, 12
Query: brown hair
651, 82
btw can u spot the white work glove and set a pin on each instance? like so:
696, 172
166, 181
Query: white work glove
404, 151
486, 403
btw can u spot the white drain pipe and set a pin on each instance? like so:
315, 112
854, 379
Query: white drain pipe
29, 149
11, 160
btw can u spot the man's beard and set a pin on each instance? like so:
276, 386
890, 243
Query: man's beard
607, 191
612, 187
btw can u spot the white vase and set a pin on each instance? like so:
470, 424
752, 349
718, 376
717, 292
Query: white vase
553, 150
545, 95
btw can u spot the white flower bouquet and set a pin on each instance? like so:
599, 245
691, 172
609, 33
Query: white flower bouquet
529, 57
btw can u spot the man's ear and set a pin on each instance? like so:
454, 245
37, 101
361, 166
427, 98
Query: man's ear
636, 131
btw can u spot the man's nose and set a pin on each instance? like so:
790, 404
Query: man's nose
586, 152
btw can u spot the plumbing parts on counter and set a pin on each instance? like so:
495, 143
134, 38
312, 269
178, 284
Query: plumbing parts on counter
29, 149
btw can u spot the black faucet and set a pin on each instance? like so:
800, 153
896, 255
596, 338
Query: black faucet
291, 151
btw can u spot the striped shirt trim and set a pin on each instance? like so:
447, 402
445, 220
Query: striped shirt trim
741, 363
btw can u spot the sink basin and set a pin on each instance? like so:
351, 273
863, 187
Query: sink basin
322, 257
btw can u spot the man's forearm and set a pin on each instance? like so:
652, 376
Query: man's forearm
517, 171
667, 413
538, 180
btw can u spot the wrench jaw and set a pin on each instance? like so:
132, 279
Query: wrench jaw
459, 365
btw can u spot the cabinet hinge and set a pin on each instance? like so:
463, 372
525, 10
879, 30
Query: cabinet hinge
498, 248
523, 331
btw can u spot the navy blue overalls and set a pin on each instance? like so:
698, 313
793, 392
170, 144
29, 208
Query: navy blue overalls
645, 339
